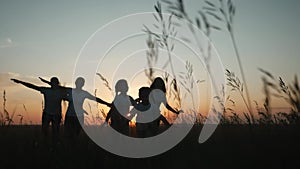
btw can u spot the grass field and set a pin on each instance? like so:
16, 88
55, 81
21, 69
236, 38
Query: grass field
231, 146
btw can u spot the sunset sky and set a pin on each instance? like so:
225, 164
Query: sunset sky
44, 38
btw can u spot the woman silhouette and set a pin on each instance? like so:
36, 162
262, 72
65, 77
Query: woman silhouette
157, 97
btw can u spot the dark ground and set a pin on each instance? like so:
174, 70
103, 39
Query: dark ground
231, 146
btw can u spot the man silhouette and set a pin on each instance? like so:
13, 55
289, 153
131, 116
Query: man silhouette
74, 117
53, 97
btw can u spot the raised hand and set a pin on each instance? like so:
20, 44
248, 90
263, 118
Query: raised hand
16, 80
45, 81
41, 79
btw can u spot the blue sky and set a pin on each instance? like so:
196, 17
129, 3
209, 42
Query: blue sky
52, 32
44, 31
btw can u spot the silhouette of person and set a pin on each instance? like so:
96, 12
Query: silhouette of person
53, 97
157, 97
143, 112
118, 114
75, 113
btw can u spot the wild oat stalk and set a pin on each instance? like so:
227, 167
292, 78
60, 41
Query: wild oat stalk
290, 93
27, 114
187, 81
152, 56
235, 119
91, 113
21, 119
103, 113
236, 85
105, 81
268, 114
1, 119
223, 13
98, 117
165, 40
177, 9
7, 117
4, 108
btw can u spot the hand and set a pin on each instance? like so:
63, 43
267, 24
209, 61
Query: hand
16, 80
137, 100
43, 80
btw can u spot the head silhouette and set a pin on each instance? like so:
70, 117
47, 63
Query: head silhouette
158, 83
79, 83
54, 82
121, 86
144, 93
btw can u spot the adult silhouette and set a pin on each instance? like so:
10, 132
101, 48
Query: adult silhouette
53, 97
74, 117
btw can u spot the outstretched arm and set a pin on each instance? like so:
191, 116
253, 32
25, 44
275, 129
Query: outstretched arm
29, 85
102, 102
133, 102
164, 120
171, 109
91, 97
45, 81
49, 83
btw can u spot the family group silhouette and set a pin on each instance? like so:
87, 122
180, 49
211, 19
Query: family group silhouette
146, 108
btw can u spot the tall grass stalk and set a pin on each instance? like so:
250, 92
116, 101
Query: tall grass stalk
4, 108
187, 81
228, 18
178, 9
222, 13
165, 40
289, 93
105, 81
236, 85
152, 56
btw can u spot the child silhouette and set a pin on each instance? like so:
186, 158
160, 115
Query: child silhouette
144, 112
118, 114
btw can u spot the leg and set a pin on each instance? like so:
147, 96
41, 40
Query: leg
68, 126
45, 123
45, 128
79, 120
56, 120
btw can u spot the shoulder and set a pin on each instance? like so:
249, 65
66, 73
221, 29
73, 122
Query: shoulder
44, 89
86, 94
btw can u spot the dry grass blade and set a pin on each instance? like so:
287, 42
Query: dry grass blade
266, 73
152, 56
198, 23
214, 15
105, 81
